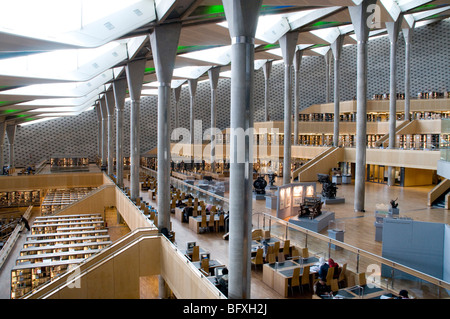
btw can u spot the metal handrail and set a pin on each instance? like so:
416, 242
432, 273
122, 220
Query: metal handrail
359, 252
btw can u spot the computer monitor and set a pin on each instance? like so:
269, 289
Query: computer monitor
190, 245
204, 256
218, 272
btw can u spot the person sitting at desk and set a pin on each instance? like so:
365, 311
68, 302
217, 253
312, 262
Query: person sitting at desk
331, 263
323, 268
223, 282
322, 289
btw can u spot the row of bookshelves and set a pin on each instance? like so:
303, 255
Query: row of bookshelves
20, 198
55, 244
57, 199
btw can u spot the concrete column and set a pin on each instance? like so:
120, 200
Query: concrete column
192, 83
11, 133
177, 94
297, 63
267, 68
242, 17
408, 35
110, 105
213, 74
360, 17
120, 89
336, 48
393, 29
328, 58
135, 75
288, 43
98, 109
104, 131
164, 42
2, 145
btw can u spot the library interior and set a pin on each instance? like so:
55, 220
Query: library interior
225, 149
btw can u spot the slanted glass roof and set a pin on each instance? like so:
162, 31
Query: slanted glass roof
83, 23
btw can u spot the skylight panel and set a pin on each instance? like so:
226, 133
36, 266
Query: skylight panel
219, 55
65, 65
406, 5
190, 72
38, 121
71, 89
329, 35
83, 23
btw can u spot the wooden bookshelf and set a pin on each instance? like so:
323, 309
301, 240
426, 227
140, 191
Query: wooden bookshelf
54, 244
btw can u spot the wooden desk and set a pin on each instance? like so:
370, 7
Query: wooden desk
189, 253
195, 222
179, 212
213, 263
277, 275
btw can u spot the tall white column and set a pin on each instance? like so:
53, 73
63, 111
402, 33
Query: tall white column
288, 43
135, 75
242, 17
110, 105
164, 43
359, 16
267, 68
120, 88
2, 145
408, 35
104, 110
297, 63
393, 29
11, 133
336, 48
213, 74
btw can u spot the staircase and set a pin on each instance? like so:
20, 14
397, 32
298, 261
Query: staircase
440, 194
400, 129
322, 163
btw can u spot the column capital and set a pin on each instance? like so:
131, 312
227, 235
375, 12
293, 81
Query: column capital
135, 75
110, 102
336, 46
288, 43
361, 18
120, 90
162, 40
242, 17
213, 74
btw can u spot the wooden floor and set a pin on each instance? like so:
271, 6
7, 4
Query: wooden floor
359, 227
359, 231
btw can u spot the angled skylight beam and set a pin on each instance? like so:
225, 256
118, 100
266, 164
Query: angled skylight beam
372, 34
406, 5
428, 13
328, 34
71, 89
277, 51
38, 121
190, 72
66, 65
259, 63
321, 50
219, 55
61, 101
392, 8
77, 108
176, 83
303, 18
83, 23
